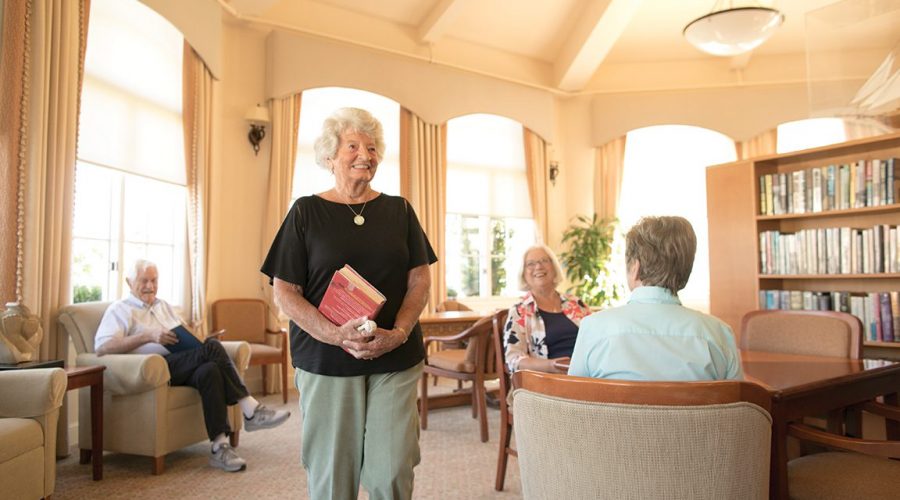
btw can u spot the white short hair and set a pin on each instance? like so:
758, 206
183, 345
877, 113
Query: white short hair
137, 267
523, 285
342, 120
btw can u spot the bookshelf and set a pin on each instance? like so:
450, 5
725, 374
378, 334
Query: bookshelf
735, 224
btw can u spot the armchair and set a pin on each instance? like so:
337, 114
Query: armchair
29, 410
591, 438
142, 414
245, 319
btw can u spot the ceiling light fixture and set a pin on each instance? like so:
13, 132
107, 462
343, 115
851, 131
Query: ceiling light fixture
733, 30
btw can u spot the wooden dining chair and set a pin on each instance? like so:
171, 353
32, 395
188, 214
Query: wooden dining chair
810, 333
860, 468
506, 418
474, 364
594, 438
451, 305
245, 319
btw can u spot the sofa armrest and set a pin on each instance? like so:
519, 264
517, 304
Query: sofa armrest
31, 393
239, 352
128, 373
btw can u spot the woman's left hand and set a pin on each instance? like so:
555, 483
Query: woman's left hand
381, 341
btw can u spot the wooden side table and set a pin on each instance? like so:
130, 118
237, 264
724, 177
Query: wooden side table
91, 376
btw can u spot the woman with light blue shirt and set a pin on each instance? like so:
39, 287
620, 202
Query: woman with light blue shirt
653, 337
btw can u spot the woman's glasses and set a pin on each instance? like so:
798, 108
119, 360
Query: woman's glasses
531, 264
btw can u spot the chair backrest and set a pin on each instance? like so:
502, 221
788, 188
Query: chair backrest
451, 305
80, 322
592, 438
811, 333
480, 345
499, 320
242, 319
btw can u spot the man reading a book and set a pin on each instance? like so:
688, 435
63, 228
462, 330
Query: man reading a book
143, 324
653, 337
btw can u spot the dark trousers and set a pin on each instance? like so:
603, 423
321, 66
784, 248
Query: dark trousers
209, 370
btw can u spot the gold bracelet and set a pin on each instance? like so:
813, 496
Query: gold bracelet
405, 333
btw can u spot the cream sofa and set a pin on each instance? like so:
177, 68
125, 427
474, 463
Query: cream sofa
142, 414
29, 410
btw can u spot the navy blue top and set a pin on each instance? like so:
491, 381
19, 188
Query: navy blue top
561, 333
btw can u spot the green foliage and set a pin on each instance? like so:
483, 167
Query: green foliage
499, 235
589, 243
469, 265
84, 293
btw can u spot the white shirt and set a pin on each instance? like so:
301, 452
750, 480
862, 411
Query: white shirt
131, 316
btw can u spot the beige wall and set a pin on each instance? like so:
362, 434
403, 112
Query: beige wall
200, 21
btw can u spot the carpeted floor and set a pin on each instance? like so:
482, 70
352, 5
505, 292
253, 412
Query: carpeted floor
455, 465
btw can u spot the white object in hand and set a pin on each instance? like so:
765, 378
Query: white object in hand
368, 327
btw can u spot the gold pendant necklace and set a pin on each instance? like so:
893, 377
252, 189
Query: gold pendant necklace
358, 218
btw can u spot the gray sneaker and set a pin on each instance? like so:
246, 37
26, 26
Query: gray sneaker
227, 459
264, 418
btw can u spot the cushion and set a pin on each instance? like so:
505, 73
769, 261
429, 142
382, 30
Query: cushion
19, 436
181, 396
265, 350
452, 359
839, 475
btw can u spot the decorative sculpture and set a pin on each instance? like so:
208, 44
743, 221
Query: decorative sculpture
20, 334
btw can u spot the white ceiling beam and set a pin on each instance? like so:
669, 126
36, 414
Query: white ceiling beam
596, 31
438, 20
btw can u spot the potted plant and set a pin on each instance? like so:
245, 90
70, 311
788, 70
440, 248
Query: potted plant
589, 246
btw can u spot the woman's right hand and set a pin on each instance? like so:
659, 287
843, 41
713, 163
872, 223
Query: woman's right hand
351, 331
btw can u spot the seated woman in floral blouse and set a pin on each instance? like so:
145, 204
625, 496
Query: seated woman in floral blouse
540, 330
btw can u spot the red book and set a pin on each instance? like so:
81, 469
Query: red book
350, 296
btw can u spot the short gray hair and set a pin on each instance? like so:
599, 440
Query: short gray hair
523, 285
342, 120
665, 247
137, 267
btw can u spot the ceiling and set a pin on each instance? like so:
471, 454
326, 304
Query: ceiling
566, 46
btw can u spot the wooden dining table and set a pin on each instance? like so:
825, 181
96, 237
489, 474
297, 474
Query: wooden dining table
803, 386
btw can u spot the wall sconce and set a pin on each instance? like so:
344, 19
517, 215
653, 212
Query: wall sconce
554, 171
258, 116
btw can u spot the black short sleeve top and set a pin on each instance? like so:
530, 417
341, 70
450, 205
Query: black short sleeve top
317, 238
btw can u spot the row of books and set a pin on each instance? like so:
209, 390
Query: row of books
864, 183
879, 312
837, 250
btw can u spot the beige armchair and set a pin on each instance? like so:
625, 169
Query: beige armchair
142, 414
29, 410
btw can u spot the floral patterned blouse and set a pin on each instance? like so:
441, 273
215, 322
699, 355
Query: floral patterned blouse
524, 333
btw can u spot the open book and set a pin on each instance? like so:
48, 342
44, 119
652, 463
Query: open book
186, 340
350, 296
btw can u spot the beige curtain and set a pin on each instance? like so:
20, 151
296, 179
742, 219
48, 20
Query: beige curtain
860, 128
197, 117
54, 42
423, 177
763, 144
12, 147
537, 171
285, 114
609, 165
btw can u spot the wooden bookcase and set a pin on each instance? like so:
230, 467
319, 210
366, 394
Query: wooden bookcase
733, 209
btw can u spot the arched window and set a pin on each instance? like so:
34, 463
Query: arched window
665, 174
319, 104
489, 222
129, 175
811, 133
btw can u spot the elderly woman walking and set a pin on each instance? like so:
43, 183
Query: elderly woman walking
357, 389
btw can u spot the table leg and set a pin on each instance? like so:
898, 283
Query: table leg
97, 429
778, 482
891, 427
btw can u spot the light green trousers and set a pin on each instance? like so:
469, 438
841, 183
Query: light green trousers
359, 430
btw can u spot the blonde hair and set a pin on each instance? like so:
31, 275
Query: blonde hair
665, 248
523, 285
342, 120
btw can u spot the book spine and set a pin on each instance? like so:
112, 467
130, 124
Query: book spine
887, 319
876, 315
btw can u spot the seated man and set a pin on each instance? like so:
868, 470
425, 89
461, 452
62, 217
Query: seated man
142, 324
653, 337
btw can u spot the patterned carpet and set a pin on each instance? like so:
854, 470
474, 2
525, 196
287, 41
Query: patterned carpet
455, 465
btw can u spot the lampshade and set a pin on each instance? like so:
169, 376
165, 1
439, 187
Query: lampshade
733, 31
257, 114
